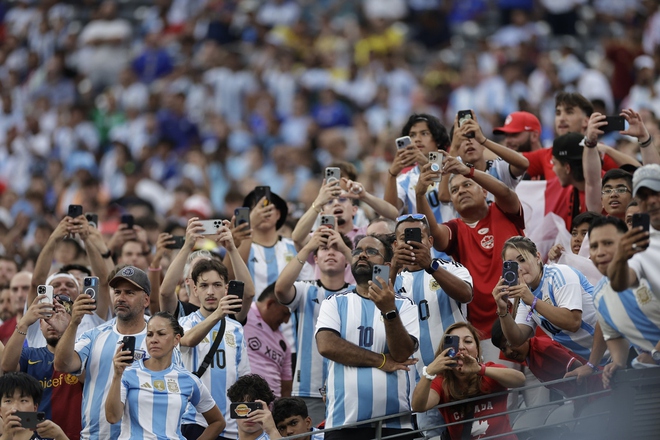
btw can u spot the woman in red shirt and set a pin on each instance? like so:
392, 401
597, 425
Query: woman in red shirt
454, 378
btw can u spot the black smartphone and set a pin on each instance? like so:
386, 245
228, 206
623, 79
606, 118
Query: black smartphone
92, 219
614, 123
510, 272
261, 192
240, 410
30, 419
412, 234
129, 344
242, 216
75, 211
91, 287
641, 219
236, 288
128, 220
179, 240
451, 342
382, 271
464, 115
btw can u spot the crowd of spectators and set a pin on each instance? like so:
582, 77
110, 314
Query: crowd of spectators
155, 116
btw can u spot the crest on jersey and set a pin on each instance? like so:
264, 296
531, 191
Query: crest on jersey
288, 257
433, 284
173, 386
70, 379
230, 340
643, 295
159, 385
488, 242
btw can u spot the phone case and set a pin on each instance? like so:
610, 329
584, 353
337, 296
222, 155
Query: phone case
452, 342
380, 271
211, 226
435, 159
510, 272
48, 291
413, 234
128, 220
261, 192
91, 287
332, 174
30, 419
403, 142
129, 344
75, 211
240, 410
242, 216
329, 221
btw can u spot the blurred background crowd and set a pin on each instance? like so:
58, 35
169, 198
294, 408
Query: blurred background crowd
172, 108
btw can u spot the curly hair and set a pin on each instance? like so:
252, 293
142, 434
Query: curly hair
249, 388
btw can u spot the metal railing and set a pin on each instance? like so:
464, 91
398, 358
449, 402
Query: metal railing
630, 410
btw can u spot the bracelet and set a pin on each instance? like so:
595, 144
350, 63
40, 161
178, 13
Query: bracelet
647, 142
391, 174
384, 360
107, 254
318, 211
155, 269
485, 140
20, 332
593, 367
531, 309
302, 263
426, 374
505, 313
471, 173
482, 371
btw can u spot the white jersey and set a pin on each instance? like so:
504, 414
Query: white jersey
435, 309
562, 286
35, 337
633, 314
355, 394
154, 401
229, 363
97, 348
308, 376
645, 264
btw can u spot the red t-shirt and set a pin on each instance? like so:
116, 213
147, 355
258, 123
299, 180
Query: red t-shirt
540, 164
480, 249
7, 329
497, 424
561, 201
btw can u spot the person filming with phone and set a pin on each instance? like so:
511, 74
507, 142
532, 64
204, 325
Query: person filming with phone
457, 373
138, 407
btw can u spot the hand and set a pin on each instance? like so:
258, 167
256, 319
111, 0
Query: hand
61, 231
49, 429
121, 360
60, 319
83, 305
421, 254
392, 365
441, 363
426, 179
452, 165
467, 364
608, 373
260, 213
354, 190
327, 192
634, 241
636, 127
319, 238
383, 298
12, 425
580, 372
403, 158
82, 227
141, 236
334, 239
224, 237
228, 305
263, 417
193, 233
596, 121
645, 358
163, 240
500, 292
521, 291
240, 232
555, 252
121, 236
472, 126
36, 311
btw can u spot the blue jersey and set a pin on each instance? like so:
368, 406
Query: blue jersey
229, 363
360, 393
154, 401
561, 287
97, 348
435, 309
308, 376
633, 314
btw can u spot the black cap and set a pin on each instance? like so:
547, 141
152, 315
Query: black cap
567, 146
133, 275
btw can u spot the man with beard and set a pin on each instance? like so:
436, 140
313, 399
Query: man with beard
38, 363
93, 352
368, 335
522, 132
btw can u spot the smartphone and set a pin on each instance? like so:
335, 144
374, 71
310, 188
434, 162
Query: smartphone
464, 115
91, 287
403, 142
211, 226
412, 234
510, 273
92, 219
332, 174
614, 123
261, 192
48, 291
451, 342
642, 219
129, 344
30, 419
382, 271
75, 211
242, 216
128, 220
179, 240
435, 159
240, 410
329, 221
236, 288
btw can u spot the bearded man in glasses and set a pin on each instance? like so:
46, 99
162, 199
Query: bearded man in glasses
368, 334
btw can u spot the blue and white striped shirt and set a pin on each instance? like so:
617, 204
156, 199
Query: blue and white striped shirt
154, 401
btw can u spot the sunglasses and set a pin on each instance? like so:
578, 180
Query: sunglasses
411, 217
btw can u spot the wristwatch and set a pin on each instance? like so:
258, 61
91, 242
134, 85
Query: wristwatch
435, 265
655, 354
392, 314
587, 143
427, 375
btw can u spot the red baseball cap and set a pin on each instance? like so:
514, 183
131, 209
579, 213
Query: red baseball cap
518, 122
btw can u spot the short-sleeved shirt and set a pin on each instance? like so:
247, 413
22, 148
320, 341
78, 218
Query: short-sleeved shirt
540, 164
562, 287
495, 405
479, 249
154, 401
645, 264
266, 263
355, 394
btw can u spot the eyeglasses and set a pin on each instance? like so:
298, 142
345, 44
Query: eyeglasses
618, 190
411, 217
371, 252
